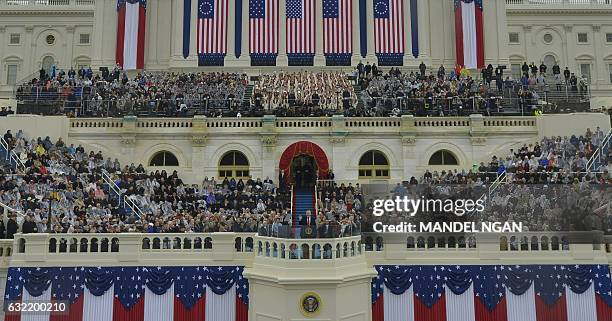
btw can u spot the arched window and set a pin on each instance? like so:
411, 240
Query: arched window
234, 164
164, 158
373, 164
443, 157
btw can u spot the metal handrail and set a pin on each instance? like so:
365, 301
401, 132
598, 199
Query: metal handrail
501, 179
11, 156
122, 198
316, 200
292, 223
597, 154
10, 209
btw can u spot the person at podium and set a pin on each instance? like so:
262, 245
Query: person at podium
308, 223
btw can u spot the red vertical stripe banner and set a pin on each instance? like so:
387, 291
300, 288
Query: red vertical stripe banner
120, 35
480, 36
142, 17
459, 33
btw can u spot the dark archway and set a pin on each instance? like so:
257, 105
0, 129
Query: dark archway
304, 148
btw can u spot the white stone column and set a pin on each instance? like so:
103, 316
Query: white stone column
97, 36
408, 59
151, 32
495, 32
371, 56
599, 68
244, 59
176, 55
2, 50
356, 36
528, 42
319, 59
29, 62
282, 59
69, 48
424, 33
230, 55
193, 39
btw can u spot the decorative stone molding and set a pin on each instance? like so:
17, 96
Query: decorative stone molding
337, 140
269, 140
29, 29
596, 28
128, 140
479, 141
408, 141
199, 140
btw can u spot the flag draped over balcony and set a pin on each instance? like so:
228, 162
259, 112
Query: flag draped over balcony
338, 32
132, 293
492, 293
131, 33
469, 33
263, 31
301, 31
212, 32
389, 32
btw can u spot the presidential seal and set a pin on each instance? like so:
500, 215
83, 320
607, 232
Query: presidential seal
310, 304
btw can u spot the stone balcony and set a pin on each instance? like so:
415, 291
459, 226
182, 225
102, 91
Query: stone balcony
249, 249
46, 3
559, 6
334, 126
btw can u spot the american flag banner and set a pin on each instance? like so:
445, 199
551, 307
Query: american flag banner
263, 30
338, 28
131, 27
389, 30
131, 293
469, 33
492, 293
301, 26
212, 31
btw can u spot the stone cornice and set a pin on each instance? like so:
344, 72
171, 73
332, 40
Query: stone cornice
535, 10
69, 11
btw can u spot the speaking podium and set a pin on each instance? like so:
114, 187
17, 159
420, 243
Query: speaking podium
310, 279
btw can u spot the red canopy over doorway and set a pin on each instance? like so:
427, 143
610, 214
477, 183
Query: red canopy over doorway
304, 148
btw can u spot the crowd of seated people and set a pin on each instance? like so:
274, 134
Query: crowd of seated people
554, 160
215, 206
63, 191
304, 93
425, 92
394, 93
113, 93
547, 186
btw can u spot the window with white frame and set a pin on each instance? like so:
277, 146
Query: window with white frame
84, 38
513, 37
610, 71
11, 74
583, 37
15, 39
585, 70
609, 37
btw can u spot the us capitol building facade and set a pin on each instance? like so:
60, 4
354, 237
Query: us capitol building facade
65, 33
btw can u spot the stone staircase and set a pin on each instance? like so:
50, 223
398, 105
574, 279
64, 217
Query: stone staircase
357, 90
248, 93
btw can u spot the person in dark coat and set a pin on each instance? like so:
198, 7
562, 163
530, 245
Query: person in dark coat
422, 69
11, 228
281, 179
2, 229
28, 226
